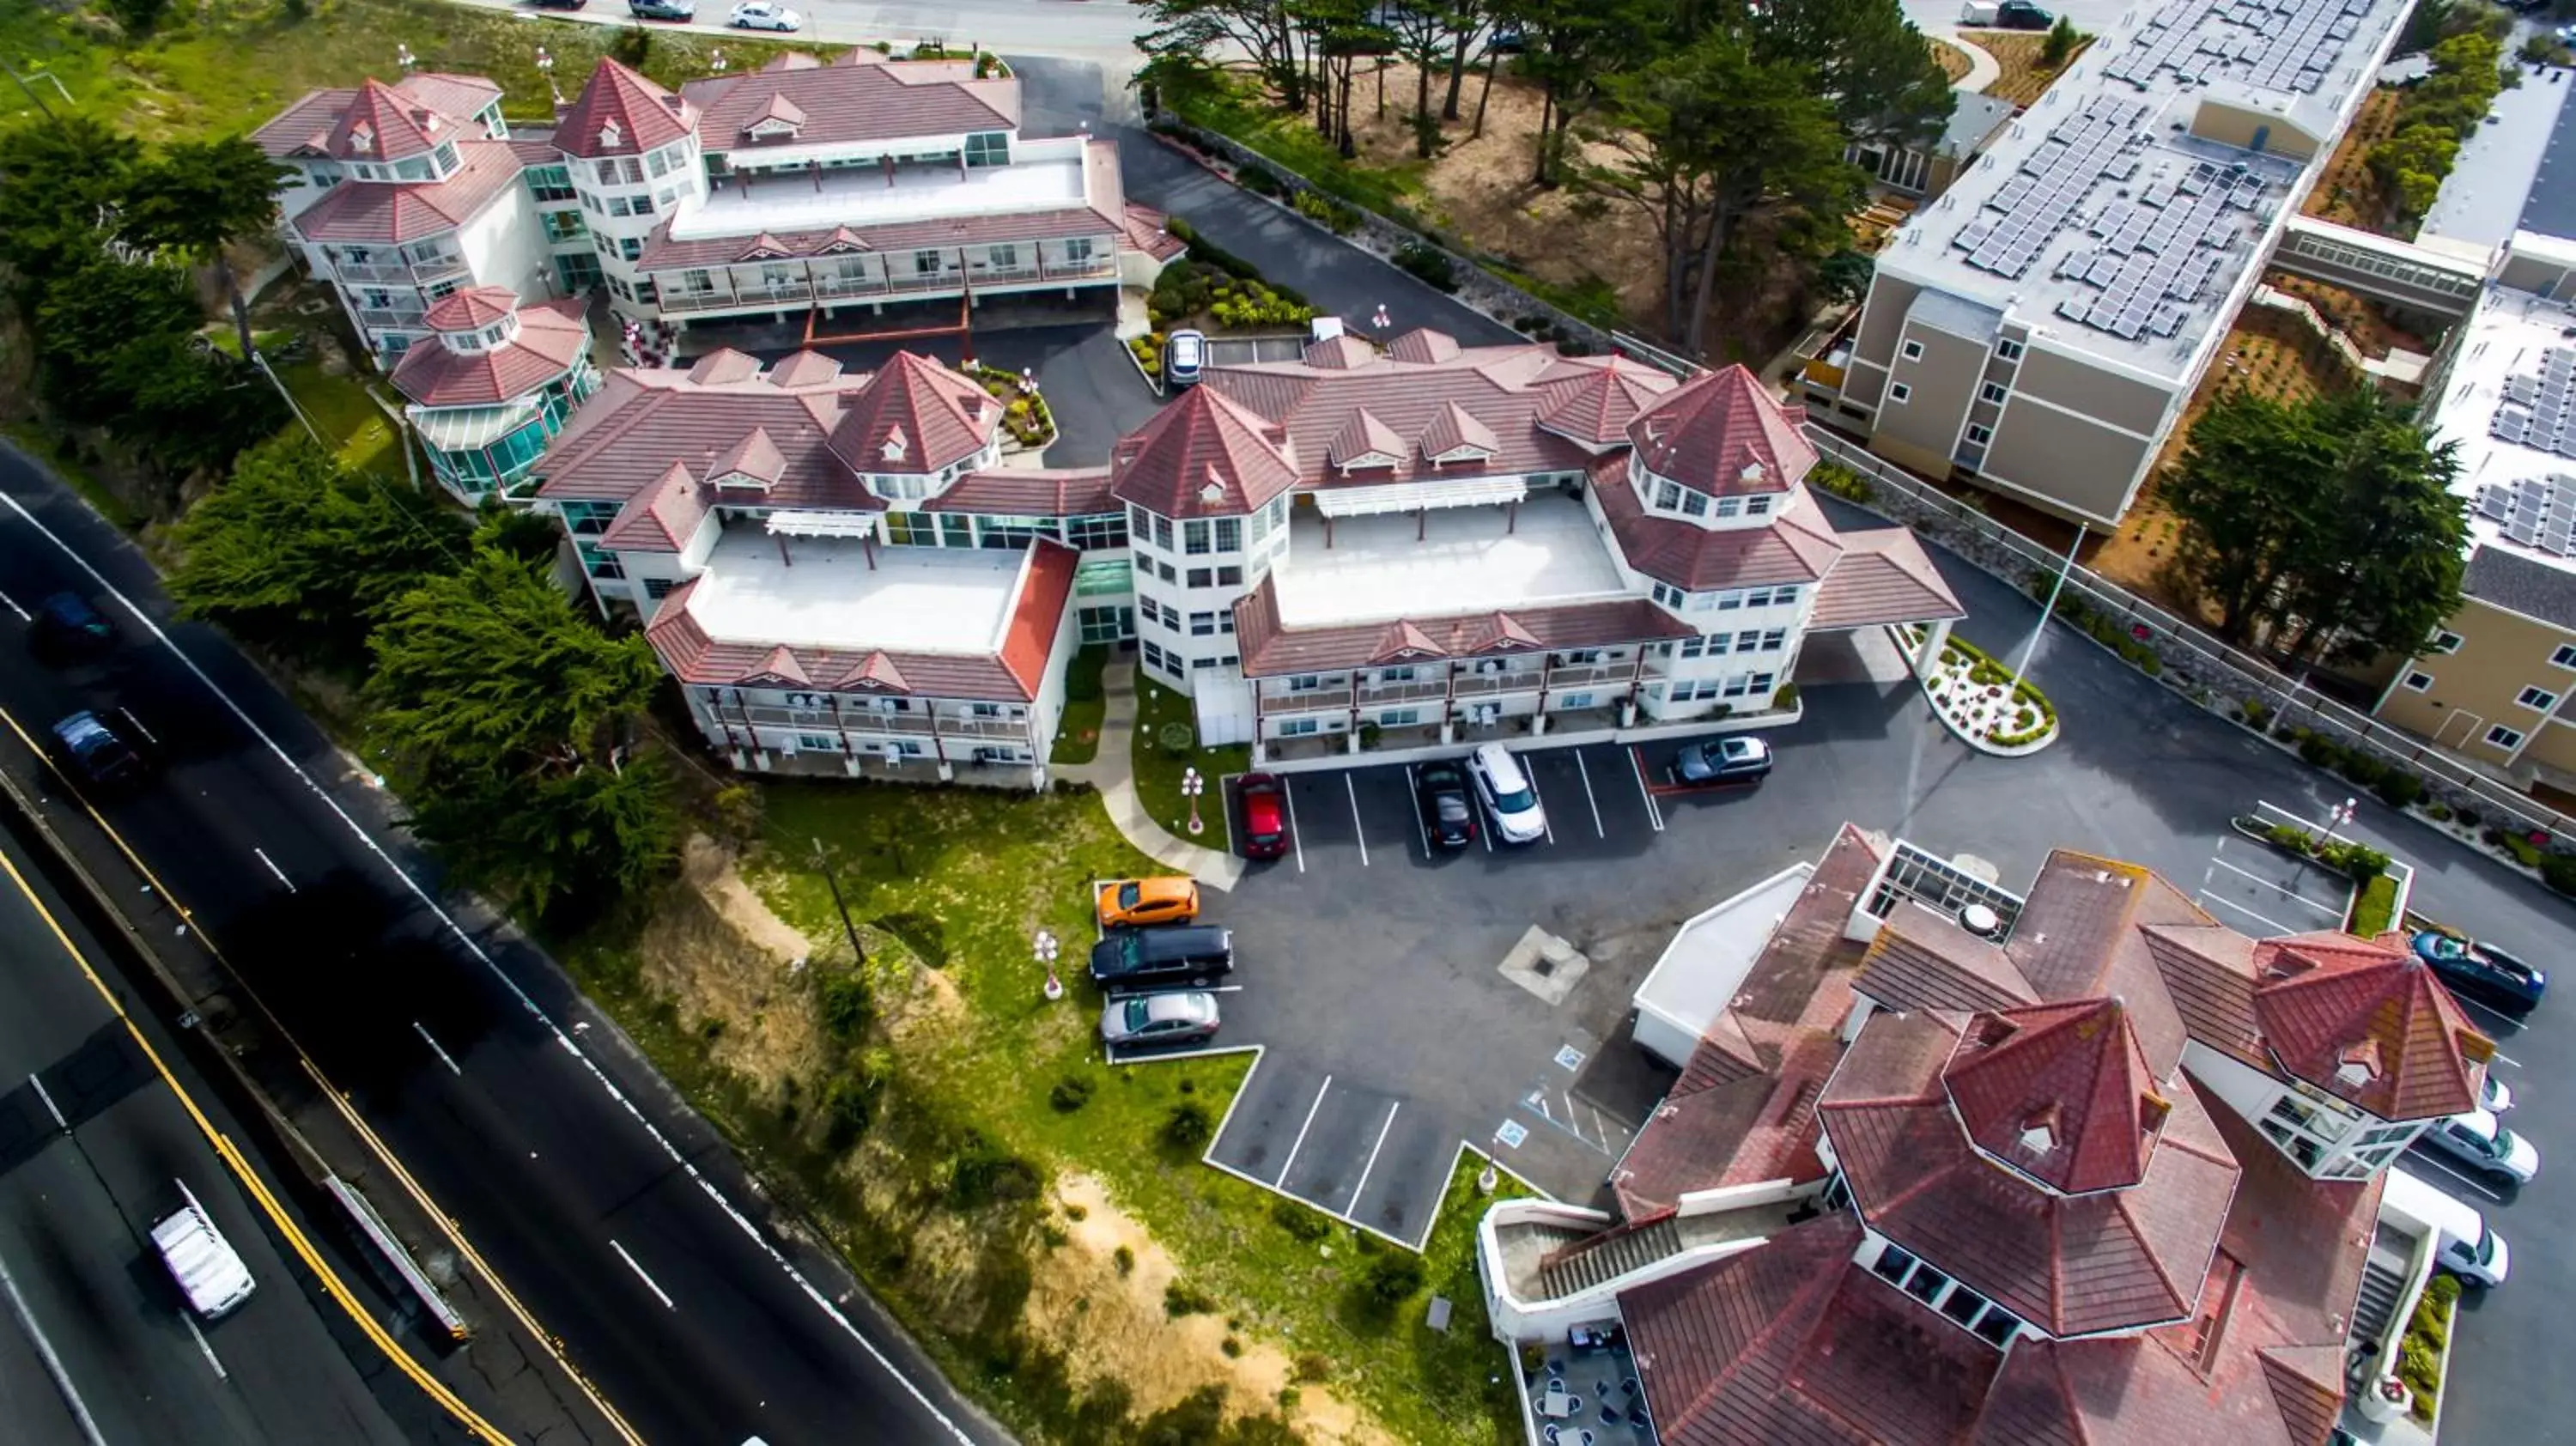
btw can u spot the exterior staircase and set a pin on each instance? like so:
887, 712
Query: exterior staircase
1586, 1263
2383, 1287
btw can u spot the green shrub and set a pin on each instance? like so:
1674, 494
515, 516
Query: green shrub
2558, 871
1180, 1300
2524, 851
1840, 481
2399, 789
2256, 713
984, 1172
2363, 769
1069, 1094
2319, 751
843, 995
1786, 696
1300, 1222
1260, 181
2290, 836
1389, 1280
1427, 263
1124, 1258
1187, 1127
1318, 207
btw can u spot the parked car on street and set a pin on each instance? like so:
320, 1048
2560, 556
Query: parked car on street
1190, 954
1135, 902
559, 4
1723, 760
100, 751
662, 9
1448, 817
2480, 1142
65, 626
1265, 815
1185, 1016
762, 15
2021, 15
2481, 971
1519, 814
1184, 355
2495, 1096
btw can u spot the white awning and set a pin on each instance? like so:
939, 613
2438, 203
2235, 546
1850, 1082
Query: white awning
823, 524
462, 429
1419, 496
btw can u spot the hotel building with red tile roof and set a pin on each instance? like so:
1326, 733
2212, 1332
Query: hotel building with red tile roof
1949, 1164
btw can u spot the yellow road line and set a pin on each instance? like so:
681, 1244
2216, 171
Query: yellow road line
240, 1166
384, 1154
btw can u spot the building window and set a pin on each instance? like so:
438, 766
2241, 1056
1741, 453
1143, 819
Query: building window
1166, 572
2419, 682
1892, 1263
2538, 698
1203, 625
1399, 717
1229, 534
630, 248
2446, 641
1202, 577
1730, 506
1305, 682
1229, 577
1003, 256
1694, 504
925, 263
550, 183
1963, 1304
1194, 536
1997, 1326
657, 588
1078, 250
1900, 393
1668, 496
1911, 351
1298, 727
1163, 533
988, 148
2502, 737
1979, 434
2565, 657
563, 226
2008, 350
1926, 1284
1757, 506
1091, 534
1992, 392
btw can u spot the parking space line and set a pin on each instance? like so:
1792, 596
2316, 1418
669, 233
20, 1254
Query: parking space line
12, 604
2287, 893
1296, 835
1645, 790
1391, 1107
2425, 1157
1300, 1142
1412, 795
1358, 830
1589, 796
2275, 925
1546, 825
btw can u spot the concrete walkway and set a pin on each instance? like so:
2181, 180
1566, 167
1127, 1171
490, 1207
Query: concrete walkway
1983, 71
1112, 770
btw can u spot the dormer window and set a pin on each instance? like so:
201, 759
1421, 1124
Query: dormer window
465, 341
612, 136
495, 335
2038, 1138
895, 446
362, 137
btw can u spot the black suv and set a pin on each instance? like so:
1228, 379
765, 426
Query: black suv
1190, 954
66, 627
103, 750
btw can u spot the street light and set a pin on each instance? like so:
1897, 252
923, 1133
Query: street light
1192, 785
2336, 817
716, 61
546, 68
1044, 946
404, 58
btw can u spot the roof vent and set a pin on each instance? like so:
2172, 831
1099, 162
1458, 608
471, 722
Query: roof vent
2038, 1138
1982, 921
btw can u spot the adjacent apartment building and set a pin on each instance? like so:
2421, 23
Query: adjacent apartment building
2039, 327
806, 186
2493, 682
1951, 1164
1427, 546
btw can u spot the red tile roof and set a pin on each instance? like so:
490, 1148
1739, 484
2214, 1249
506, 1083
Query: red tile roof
1883, 576
552, 339
1922, 959
1799, 545
620, 113
381, 123
662, 517
2208, 972
389, 213
804, 369
1423, 344
1015, 673
1149, 231
2059, 1092
470, 309
860, 96
2367, 1021
2080, 935
755, 460
1204, 455
305, 130
642, 420
1271, 650
1452, 430
914, 416
1595, 406
2070, 1264
1029, 492
1714, 428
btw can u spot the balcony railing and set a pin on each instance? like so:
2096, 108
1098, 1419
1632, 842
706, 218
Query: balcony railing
374, 317
1412, 692
420, 272
1483, 684
1579, 674
870, 723
1312, 700
828, 287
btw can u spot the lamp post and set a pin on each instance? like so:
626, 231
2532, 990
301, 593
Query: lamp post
404, 58
546, 68
2336, 817
1044, 947
1192, 785
716, 61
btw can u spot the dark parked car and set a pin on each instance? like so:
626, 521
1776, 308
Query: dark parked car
559, 4
1723, 760
1448, 811
2022, 15
65, 626
2482, 971
1189, 954
1265, 815
94, 748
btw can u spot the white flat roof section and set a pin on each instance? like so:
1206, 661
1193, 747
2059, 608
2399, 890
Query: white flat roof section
859, 197
1704, 967
2482, 200
1468, 560
823, 594
2099, 219
2510, 406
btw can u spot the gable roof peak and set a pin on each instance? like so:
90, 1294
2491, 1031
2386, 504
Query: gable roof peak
2061, 1092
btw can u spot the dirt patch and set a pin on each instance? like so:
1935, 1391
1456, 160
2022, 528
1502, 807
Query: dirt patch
2348, 194
1114, 1325
2366, 323
725, 963
2016, 54
1954, 62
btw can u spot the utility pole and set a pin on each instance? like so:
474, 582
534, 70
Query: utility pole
832, 881
2047, 610
31, 90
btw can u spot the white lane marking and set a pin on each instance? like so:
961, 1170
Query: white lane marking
1546, 825
53, 1363
190, 1322
2498, 1015
50, 1107
1589, 797
658, 1293
2427, 1157
274, 869
148, 735
1637, 761
1357, 831
2286, 893
368, 841
2501, 1057
2275, 925
443, 1057
1362, 1187
1413, 794
12, 604
1296, 835
1300, 1142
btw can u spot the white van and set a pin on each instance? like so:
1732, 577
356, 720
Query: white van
2464, 1245
1978, 12
1508, 794
209, 1274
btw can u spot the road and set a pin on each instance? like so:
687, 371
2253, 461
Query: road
92, 1140
617, 1215
1102, 30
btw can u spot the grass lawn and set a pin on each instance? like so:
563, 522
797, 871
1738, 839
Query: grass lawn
1243, 112
964, 877
1077, 731
2374, 910
351, 424
1165, 746
48, 449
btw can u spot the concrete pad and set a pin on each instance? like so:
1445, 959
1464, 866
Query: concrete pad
1545, 965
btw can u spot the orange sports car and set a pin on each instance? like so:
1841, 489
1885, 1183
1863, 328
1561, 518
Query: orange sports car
1133, 902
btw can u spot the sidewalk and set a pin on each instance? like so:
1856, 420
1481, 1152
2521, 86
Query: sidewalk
1983, 70
1112, 771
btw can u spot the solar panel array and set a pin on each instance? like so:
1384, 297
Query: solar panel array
2155, 254
2539, 408
2281, 45
2098, 143
2537, 512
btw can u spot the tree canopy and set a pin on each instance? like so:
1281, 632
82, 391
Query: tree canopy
2326, 522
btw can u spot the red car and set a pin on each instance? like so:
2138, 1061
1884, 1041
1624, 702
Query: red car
1265, 815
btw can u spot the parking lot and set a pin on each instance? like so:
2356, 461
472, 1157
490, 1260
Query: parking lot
2261, 890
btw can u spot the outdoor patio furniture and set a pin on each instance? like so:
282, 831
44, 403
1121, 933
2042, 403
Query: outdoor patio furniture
1609, 1414
1556, 1404
1550, 1433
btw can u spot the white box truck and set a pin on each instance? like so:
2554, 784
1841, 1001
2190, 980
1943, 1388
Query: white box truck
2462, 1243
208, 1273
